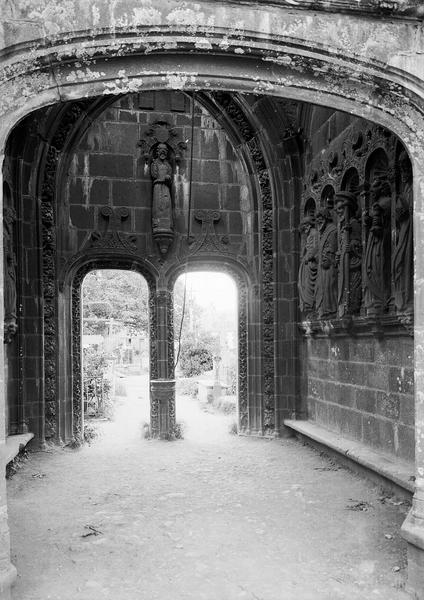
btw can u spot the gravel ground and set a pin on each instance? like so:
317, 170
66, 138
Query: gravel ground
213, 516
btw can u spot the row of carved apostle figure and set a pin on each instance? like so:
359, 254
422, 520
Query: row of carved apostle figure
350, 260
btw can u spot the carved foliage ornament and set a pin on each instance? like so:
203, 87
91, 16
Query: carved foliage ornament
9, 260
253, 145
47, 212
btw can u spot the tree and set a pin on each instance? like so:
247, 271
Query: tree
196, 357
121, 296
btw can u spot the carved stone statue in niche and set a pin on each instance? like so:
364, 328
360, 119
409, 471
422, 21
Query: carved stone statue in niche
349, 254
162, 210
376, 269
308, 265
9, 261
326, 286
403, 260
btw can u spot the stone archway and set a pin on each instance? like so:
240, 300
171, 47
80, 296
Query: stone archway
85, 267
386, 89
243, 318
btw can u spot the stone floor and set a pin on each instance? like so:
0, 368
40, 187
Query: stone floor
213, 516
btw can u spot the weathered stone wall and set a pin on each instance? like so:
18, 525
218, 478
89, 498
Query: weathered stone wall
355, 382
363, 388
108, 168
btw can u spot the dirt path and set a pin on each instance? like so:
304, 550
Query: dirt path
213, 517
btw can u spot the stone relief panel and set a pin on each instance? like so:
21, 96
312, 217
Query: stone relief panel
356, 262
403, 260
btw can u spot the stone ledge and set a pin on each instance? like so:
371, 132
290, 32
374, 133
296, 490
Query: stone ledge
393, 469
13, 445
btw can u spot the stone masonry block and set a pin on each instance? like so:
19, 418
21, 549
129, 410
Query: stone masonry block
406, 440
407, 409
360, 351
143, 220
366, 400
378, 433
205, 195
334, 417
321, 412
209, 144
99, 192
351, 423
128, 116
388, 405
347, 372
346, 395
232, 197
318, 347
377, 377
119, 166
215, 171
76, 191
124, 193
315, 388
82, 216
401, 380
339, 350
119, 138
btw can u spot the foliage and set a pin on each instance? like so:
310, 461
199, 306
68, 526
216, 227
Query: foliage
195, 357
90, 433
187, 387
95, 362
232, 388
225, 404
96, 386
179, 431
115, 295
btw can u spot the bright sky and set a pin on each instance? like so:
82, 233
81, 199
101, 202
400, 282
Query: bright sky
212, 288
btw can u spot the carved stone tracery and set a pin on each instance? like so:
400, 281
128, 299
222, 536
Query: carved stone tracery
49, 251
9, 258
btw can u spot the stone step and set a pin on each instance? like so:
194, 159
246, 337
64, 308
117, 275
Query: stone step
385, 466
13, 445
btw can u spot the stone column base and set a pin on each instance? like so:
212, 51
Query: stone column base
162, 398
413, 532
7, 579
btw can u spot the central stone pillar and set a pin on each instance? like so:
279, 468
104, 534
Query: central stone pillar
162, 394
162, 387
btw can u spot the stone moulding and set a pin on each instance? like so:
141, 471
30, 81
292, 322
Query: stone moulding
235, 113
392, 8
68, 120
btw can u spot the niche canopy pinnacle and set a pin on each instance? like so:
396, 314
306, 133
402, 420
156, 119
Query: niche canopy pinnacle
161, 132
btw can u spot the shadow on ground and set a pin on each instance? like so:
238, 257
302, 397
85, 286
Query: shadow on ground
213, 516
